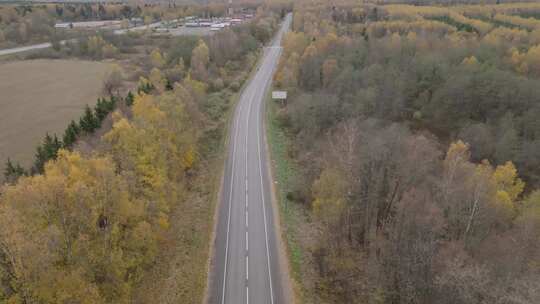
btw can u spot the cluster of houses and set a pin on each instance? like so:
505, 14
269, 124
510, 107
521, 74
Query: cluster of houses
216, 24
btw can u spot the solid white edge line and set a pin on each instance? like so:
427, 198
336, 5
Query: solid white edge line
247, 195
263, 202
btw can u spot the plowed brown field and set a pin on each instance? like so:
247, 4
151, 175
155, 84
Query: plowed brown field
39, 96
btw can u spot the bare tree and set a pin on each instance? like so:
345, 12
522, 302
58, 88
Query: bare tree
113, 81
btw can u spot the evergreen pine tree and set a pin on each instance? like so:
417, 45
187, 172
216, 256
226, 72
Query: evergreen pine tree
112, 104
13, 171
46, 151
40, 159
149, 87
130, 98
169, 86
88, 122
101, 109
145, 88
57, 145
9, 168
48, 147
51, 145
70, 135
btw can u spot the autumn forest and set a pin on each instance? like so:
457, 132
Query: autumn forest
119, 208
412, 152
405, 159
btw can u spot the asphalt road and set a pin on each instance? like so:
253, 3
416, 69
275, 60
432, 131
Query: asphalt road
246, 266
137, 28
25, 48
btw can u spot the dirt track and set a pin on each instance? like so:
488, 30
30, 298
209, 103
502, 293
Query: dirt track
40, 96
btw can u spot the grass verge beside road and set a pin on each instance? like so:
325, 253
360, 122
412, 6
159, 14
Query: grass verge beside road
292, 216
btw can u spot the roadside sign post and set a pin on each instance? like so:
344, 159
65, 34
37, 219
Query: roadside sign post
280, 95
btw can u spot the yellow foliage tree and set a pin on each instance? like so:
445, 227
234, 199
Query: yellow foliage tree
197, 88
157, 145
507, 182
200, 58
95, 46
532, 60
294, 42
156, 59
109, 51
329, 70
329, 195
70, 225
470, 61
157, 79
458, 155
529, 218
287, 76
189, 158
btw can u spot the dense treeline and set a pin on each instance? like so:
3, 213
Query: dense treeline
410, 125
454, 83
23, 24
452, 2
92, 224
33, 23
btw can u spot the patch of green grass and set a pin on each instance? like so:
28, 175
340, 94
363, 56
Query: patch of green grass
284, 172
498, 23
450, 21
529, 14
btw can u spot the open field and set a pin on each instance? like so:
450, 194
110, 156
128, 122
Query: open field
42, 96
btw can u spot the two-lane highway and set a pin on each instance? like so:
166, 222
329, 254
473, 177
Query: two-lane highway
246, 266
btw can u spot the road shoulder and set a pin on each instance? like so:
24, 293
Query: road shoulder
284, 264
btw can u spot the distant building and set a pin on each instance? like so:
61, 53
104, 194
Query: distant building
219, 26
64, 25
135, 21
